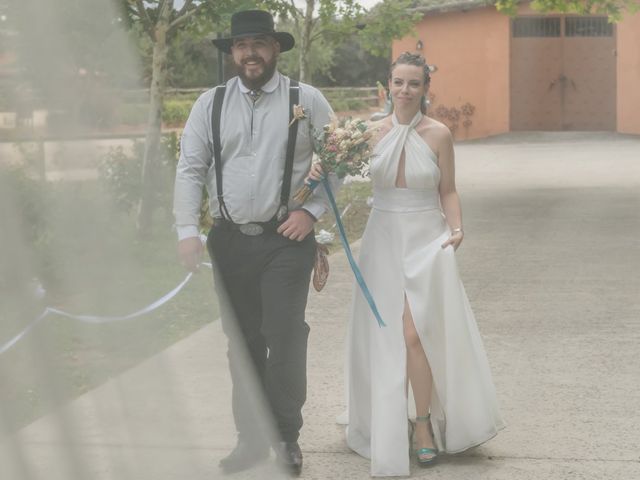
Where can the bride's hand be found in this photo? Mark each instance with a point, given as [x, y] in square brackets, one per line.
[455, 239]
[316, 173]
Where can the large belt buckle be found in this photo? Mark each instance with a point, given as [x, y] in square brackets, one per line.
[251, 229]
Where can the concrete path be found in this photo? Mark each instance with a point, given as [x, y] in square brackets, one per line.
[551, 263]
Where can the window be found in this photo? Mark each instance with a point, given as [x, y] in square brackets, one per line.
[588, 27]
[536, 27]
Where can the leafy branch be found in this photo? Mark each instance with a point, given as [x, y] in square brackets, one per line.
[614, 9]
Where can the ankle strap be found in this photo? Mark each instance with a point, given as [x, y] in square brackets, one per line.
[426, 418]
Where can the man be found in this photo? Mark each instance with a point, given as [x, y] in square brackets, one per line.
[262, 247]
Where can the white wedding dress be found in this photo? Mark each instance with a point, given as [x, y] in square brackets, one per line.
[401, 254]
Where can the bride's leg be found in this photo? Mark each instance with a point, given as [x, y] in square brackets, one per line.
[419, 374]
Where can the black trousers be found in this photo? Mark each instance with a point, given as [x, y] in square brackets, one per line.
[262, 282]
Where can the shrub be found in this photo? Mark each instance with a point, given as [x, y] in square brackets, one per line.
[121, 175]
[23, 212]
[345, 99]
[346, 104]
[176, 112]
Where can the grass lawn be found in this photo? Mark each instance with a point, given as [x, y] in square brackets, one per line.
[91, 262]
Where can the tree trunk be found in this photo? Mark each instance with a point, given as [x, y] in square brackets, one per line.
[154, 123]
[305, 42]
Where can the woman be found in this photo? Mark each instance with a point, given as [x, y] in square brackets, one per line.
[431, 340]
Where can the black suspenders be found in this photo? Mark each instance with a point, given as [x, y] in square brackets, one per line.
[217, 148]
[294, 99]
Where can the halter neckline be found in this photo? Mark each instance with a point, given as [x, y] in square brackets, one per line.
[414, 121]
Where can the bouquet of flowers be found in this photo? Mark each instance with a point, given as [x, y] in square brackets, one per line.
[342, 148]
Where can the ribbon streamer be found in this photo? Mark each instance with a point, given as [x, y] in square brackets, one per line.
[347, 250]
[97, 319]
[18, 337]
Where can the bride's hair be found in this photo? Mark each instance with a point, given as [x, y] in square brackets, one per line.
[415, 59]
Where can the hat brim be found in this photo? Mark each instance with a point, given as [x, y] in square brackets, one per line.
[285, 39]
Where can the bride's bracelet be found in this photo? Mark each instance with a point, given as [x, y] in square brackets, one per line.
[457, 230]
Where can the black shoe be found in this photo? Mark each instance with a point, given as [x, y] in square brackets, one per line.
[244, 456]
[289, 457]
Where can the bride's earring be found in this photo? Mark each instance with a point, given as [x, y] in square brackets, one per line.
[424, 104]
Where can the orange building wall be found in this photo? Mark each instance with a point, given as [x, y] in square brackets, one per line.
[471, 51]
[628, 74]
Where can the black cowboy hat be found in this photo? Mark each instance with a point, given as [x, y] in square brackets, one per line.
[250, 23]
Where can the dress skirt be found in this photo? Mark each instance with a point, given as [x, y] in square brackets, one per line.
[400, 255]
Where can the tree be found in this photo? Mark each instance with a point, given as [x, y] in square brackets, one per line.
[69, 55]
[614, 9]
[318, 60]
[192, 62]
[161, 20]
[332, 22]
[388, 20]
[355, 67]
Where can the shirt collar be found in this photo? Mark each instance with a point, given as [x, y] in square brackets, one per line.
[268, 87]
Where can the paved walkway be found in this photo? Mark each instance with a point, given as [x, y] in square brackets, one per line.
[551, 264]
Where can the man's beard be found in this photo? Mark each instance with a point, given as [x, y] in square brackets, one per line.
[257, 82]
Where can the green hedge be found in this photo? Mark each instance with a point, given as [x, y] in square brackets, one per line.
[343, 100]
[174, 113]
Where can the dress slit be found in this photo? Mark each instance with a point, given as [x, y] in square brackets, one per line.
[426, 354]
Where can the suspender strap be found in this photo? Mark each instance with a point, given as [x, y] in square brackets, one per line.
[294, 99]
[216, 114]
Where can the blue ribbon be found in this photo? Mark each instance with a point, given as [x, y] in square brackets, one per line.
[347, 250]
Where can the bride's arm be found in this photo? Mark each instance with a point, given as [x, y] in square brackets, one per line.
[449, 198]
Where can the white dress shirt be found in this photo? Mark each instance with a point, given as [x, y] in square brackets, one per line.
[253, 137]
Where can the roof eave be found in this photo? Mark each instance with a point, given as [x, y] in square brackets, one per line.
[461, 6]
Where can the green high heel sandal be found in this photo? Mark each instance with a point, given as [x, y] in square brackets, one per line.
[421, 453]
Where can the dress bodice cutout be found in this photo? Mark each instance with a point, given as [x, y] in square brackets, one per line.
[421, 164]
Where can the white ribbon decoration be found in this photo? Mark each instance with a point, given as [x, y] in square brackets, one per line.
[97, 319]
[18, 337]
[326, 236]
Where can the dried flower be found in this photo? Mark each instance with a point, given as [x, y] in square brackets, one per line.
[298, 114]
[342, 148]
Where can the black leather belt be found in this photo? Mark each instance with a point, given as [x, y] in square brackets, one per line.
[252, 228]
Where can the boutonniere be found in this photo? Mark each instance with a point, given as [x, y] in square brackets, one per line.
[298, 114]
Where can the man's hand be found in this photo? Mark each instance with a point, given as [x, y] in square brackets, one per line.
[190, 252]
[297, 226]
